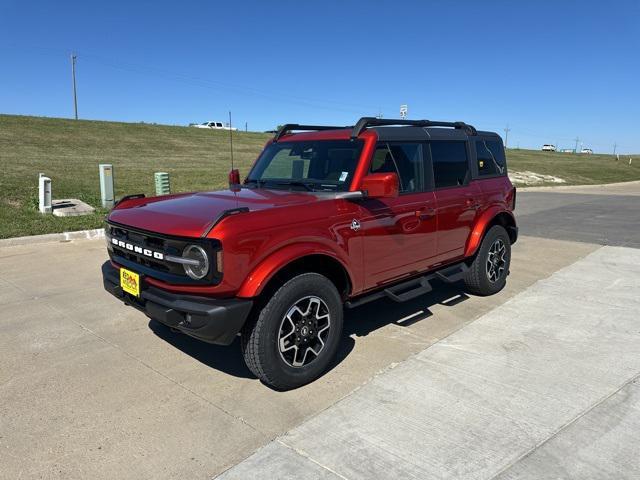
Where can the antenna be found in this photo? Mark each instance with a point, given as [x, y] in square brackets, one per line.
[234, 175]
[231, 138]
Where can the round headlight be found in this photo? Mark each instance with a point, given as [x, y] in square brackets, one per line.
[195, 252]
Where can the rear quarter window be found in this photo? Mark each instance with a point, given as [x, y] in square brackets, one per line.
[491, 158]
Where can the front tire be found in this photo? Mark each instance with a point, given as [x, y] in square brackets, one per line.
[296, 334]
[488, 272]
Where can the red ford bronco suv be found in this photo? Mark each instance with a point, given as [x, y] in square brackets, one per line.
[328, 217]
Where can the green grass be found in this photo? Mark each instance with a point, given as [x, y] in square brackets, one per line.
[576, 169]
[69, 152]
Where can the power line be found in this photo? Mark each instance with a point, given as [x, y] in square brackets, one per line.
[73, 76]
[280, 96]
[216, 85]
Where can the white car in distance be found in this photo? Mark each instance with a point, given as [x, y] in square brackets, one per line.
[548, 148]
[587, 151]
[213, 126]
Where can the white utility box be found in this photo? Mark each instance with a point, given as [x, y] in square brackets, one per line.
[44, 194]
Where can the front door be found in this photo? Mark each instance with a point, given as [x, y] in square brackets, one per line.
[399, 234]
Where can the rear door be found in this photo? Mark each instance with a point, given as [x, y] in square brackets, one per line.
[399, 234]
[457, 196]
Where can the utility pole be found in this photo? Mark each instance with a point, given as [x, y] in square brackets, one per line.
[506, 135]
[615, 145]
[73, 76]
[246, 126]
[575, 150]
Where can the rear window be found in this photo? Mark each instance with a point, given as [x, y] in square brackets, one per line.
[450, 163]
[491, 160]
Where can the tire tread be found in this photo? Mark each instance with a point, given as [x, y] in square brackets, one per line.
[475, 279]
[255, 330]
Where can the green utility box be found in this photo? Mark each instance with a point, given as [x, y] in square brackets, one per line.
[162, 183]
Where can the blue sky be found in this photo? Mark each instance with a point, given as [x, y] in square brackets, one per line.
[551, 70]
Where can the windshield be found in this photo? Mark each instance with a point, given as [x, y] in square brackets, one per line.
[319, 165]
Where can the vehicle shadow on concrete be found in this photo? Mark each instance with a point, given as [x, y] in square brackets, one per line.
[358, 322]
[227, 359]
[372, 316]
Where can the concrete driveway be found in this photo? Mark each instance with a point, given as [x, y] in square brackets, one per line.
[92, 389]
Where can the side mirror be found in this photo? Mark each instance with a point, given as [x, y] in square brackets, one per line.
[380, 185]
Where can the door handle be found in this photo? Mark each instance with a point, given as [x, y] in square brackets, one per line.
[425, 213]
[472, 203]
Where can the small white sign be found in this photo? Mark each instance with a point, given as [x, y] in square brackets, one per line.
[404, 109]
[343, 176]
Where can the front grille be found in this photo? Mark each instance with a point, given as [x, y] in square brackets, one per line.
[145, 247]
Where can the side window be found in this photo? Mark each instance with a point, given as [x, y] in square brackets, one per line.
[490, 158]
[404, 159]
[450, 163]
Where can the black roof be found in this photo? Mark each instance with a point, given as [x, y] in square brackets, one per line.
[399, 129]
[427, 133]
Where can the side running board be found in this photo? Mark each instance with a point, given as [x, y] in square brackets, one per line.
[413, 288]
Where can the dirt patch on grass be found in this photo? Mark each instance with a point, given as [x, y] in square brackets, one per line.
[12, 202]
[532, 178]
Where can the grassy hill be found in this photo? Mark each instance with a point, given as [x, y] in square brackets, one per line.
[575, 169]
[69, 152]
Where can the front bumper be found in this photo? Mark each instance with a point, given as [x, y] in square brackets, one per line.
[211, 320]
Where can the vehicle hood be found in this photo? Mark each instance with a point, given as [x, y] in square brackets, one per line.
[192, 214]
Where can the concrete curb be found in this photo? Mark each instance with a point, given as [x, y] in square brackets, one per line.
[96, 233]
[568, 188]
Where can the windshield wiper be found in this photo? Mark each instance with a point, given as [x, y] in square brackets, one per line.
[297, 183]
[258, 182]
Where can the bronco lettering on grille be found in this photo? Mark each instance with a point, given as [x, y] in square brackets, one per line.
[139, 250]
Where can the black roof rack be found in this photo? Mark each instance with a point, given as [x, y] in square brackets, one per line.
[365, 122]
[294, 126]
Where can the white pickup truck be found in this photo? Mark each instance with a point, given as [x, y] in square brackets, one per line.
[213, 125]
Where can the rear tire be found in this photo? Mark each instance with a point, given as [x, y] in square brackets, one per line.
[296, 334]
[488, 272]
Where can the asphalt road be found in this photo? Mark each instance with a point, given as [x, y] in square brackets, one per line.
[590, 218]
[92, 389]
